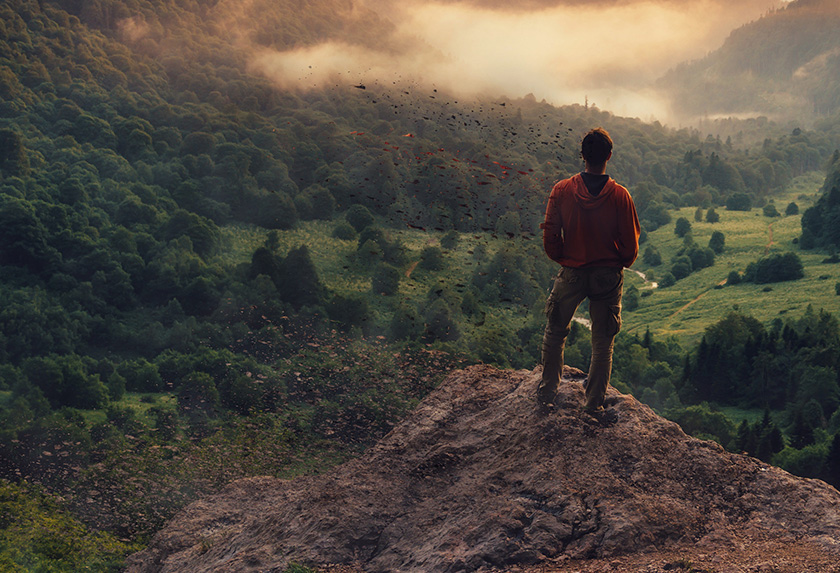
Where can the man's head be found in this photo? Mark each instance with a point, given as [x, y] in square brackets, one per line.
[596, 148]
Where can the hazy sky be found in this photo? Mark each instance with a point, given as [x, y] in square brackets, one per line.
[560, 50]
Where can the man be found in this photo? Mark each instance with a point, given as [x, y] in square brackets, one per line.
[592, 230]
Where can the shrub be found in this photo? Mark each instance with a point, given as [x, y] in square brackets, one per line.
[652, 257]
[682, 227]
[385, 280]
[431, 259]
[450, 240]
[792, 209]
[717, 242]
[775, 268]
[344, 231]
[770, 210]
[712, 216]
[359, 216]
[739, 202]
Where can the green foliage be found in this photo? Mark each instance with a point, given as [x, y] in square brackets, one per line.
[359, 217]
[700, 421]
[682, 227]
[739, 202]
[651, 256]
[385, 280]
[712, 215]
[775, 268]
[431, 259]
[344, 231]
[717, 242]
[134, 183]
[769, 210]
[37, 534]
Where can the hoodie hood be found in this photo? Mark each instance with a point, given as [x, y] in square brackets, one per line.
[586, 199]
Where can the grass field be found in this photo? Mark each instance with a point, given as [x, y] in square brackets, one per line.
[683, 310]
[686, 308]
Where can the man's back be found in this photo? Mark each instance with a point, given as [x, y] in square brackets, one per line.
[584, 230]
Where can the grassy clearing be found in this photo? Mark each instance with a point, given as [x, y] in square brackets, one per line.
[685, 309]
[140, 403]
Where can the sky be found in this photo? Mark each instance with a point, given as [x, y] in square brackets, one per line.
[606, 52]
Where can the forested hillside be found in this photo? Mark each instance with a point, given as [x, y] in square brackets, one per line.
[784, 65]
[205, 276]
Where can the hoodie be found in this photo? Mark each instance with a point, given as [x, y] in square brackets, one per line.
[584, 230]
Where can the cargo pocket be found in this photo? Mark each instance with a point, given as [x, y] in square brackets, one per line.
[615, 318]
[606, 319]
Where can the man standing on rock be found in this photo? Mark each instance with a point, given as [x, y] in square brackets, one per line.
[592, 230]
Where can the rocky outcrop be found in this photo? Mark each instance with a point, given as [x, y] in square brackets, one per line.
[478, 478]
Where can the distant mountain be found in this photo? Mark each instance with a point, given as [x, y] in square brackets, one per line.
[784, 65]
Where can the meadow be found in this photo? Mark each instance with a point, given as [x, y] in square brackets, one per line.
[682, 310]
[685, 309]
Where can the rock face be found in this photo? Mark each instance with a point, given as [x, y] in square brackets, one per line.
[477, 478]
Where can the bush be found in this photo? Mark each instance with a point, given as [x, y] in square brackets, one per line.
[431, 259]
[712, 216]
[359, 216]
[770, 210]
[652, 257]
[717, 242]
[733, 278]
[385, 280]
[792, 209]
[739, 202]
[682, 227]
[344, 231]
[775, 268]
[449, 240]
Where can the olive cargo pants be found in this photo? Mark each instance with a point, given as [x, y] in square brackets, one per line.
[603, 286]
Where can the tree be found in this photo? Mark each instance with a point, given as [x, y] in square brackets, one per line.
[13, 157]
[431, 259]
[359, 216]
[698, 214]
[682, 227]
[769, 210]
[385, 280]
[405, 323]
[439, 324]
[712, 216]
[717, 242]
[775, 268]
[299, 283]
[344, 231]
[450, 239]
[739, 202]
[652, 257]
[792, 209]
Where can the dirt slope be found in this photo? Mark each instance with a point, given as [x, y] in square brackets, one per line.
[476, 479]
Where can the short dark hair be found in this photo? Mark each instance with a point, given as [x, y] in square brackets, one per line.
[596, 146]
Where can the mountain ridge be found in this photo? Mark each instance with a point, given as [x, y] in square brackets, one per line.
[477, 479]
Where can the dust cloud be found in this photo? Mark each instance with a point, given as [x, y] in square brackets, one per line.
[606, 52]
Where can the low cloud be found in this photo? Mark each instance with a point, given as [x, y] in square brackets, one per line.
[608, 51]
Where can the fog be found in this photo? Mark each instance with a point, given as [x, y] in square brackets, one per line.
[608, 52]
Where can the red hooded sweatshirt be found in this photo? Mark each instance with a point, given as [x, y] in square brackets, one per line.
[585, 230]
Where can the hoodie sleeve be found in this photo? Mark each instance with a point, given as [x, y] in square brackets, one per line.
[552, 228]
[628, 230]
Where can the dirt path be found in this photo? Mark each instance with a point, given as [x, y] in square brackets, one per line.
[411, 269]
